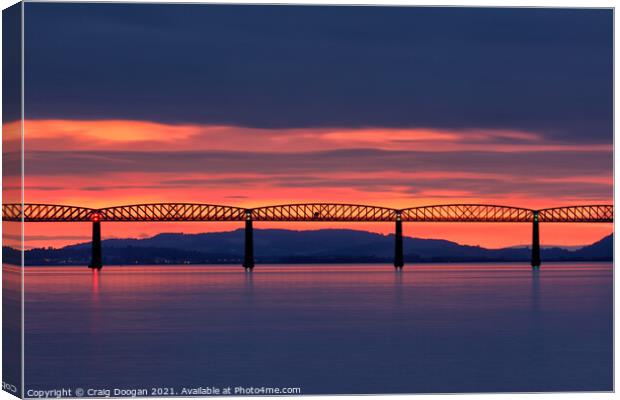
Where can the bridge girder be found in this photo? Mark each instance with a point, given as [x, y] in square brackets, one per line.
[172, 212]
[467, 213]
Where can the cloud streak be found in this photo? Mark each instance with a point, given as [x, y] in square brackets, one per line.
[93, 163]
[57, 135]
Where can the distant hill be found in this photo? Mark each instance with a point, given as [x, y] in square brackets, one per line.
[605, 246]
[287, 246]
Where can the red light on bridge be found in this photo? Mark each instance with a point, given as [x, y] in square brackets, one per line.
[95, 217]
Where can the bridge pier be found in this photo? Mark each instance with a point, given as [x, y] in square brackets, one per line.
[95, 258]
[535, 243]
[248, 256]
[399, 260]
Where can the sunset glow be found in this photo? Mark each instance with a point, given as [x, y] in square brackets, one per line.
[102, 163]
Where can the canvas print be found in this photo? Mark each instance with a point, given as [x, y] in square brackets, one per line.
[212, 199]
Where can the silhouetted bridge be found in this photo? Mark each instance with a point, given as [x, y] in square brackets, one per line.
[318, 212]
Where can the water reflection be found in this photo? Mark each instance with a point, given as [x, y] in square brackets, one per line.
[535, 296]
[96, 273]
[398, 286]
[249, 279]
[11, 327]
[328, 329]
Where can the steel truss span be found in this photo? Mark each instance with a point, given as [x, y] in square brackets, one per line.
[46, 213]
[171, 212]
[305, 213]
[594, 213]
[324, 212]
[467, 213]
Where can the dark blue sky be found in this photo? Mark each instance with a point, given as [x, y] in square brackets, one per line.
[544, 70]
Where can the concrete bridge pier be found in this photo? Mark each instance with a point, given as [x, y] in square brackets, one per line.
[248, 257]
[535, 243]
[95, 258]
[399, 260]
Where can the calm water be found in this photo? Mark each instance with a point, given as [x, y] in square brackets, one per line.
[325, 329]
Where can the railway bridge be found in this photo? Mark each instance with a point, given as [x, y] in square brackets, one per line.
[308, 212]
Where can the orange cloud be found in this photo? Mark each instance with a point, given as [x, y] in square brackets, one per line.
[144, 135]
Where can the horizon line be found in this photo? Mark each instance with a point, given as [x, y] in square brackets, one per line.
[387, 235]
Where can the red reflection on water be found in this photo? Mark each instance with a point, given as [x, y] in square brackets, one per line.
[96, 282]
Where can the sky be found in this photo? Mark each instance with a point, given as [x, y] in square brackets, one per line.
[259, 105]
